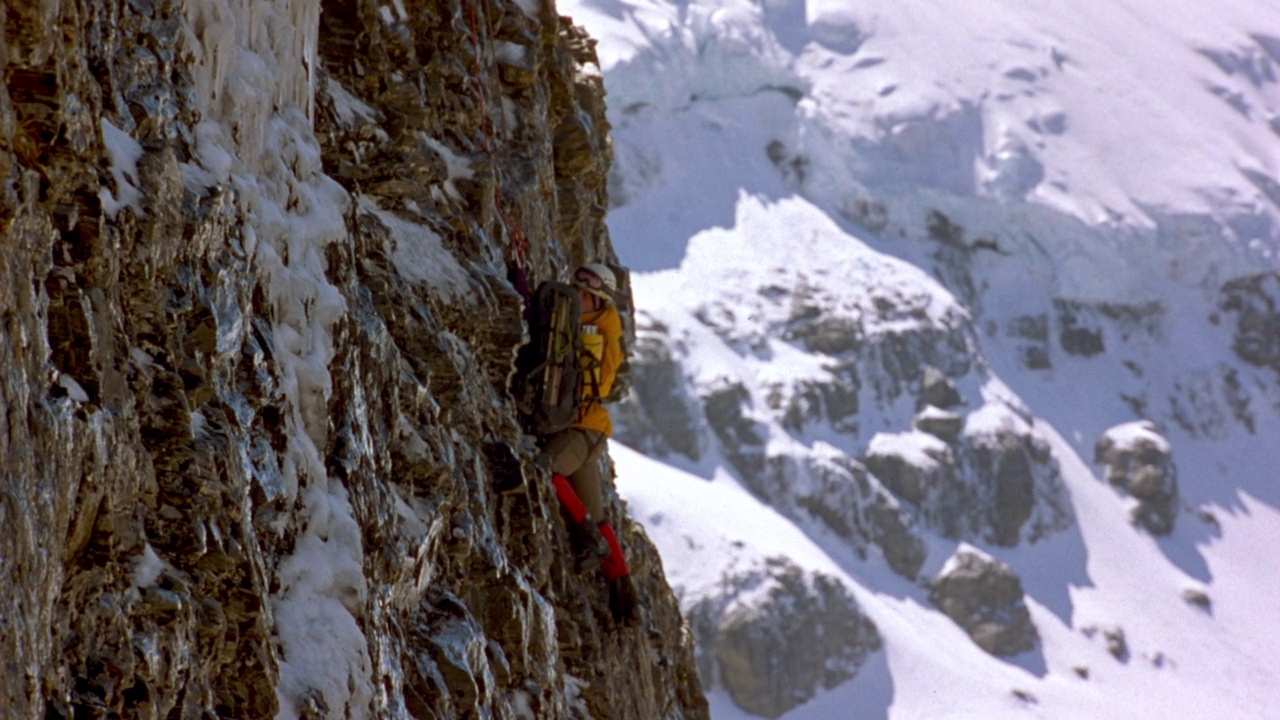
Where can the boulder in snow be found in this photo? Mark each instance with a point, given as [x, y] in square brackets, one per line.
[984, 597]
[780, 636]
[937, 390]
[1139, 461]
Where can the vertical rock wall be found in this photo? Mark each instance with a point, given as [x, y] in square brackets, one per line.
[255, 332]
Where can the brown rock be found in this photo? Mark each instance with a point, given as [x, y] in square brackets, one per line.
[271, 309]
[984, 596]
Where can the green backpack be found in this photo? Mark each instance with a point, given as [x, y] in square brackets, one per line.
[549, 379]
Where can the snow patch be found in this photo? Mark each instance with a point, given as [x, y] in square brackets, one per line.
[419, 253]
[457, 166]
[350, 109]
[1133, 436]
[75, 390]
[916, 448]
[254, 81]
[124, 152]
[147, 568]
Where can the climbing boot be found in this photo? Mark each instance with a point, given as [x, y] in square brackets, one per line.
[590, 549]
[622, 600]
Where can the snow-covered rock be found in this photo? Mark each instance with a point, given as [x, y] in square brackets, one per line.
[996, 482]
[779, 623]
[805, 374]
[1138, 460]
[777, 635]
[789, 366]
[985, 597]
[942, 424]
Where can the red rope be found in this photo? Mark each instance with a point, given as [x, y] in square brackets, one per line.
[519, 242]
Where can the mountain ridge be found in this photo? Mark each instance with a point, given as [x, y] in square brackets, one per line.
[1085, 184]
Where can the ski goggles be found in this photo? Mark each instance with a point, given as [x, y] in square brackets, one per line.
[585, 277]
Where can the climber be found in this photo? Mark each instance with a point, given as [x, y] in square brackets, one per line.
[572, 454]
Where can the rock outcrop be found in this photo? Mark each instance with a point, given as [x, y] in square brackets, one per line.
[780, 635]
[1255, 303]
[256, 323]
[659, 412]
[1139, 463]
[984, 597]
[969, 467]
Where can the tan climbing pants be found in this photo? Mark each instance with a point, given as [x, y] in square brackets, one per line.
[574, 453]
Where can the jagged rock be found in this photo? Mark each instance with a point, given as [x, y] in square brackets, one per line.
[1256, 302]
[659, 418]
[1035, 351]
[913, 466]
[725, 409]
[842, 495]
[997, 481]
[257, 331]
[840, 396]
[937, 390]
[1080, 334]
[1084, 327]
[802, 402]
[1016, 466]
[574, 149]
[984, 596]
[1139, 461]
[779, 635]
[827, 334]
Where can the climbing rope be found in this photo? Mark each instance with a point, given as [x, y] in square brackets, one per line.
[519, 242]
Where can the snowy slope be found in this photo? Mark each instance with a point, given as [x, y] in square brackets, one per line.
[1185, 663]
[1106, 114]
[1084, 194]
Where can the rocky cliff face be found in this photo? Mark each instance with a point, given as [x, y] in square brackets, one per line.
[255, 332]
[864, 412]
[887, 425]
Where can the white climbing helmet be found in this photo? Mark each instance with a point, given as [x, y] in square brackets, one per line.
[601, 272]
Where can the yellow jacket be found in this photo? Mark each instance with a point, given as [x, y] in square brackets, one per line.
[594, 416]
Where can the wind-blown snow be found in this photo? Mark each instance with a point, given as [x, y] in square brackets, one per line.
[1114, 155]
